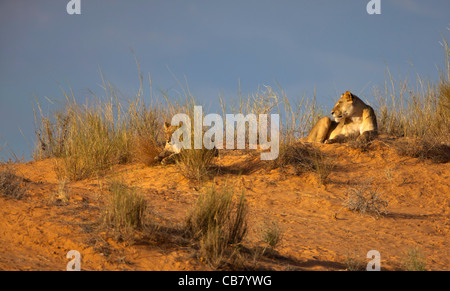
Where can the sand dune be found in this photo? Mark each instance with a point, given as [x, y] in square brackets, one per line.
[318, 232]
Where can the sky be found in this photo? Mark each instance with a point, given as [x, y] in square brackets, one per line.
[217, 47]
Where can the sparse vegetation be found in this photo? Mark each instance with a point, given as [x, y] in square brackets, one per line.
[435, 151]
[145, 150]
[297, 118]
[323, 167]
[298, 155]
[414, 260]
[421, 112]
[365, 200]
[124, 209]
[11, 185]
[271, 234]
[359, 144]
[217, 221]
[353, 263]
[305, 158]
[88, 140]
[196, 164]
[61, 195]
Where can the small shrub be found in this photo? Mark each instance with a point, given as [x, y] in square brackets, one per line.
[388, 173]
[361, 144]
[217, 221]
[213, 246]
[196, 164]
[305, 158]
[365, 200]
[298, 155]
[422, 149]
[125, 208]
[11, 185]
[271, 234]
[323, 166]
[353, 263]
[61, 195]
[414, 260]
[145, 150]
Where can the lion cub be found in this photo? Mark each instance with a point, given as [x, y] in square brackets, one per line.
[171, 152]
[352, 117]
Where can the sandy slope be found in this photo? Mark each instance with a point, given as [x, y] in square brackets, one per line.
[319, 234]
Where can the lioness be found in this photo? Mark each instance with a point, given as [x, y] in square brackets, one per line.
[171, 151]
[351, 117]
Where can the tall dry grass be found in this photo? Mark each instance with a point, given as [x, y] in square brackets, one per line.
[296, 117]
[88, 139]
[217, 221]
[124, 209]
[12, 185]
[303, 158]
[418, 111]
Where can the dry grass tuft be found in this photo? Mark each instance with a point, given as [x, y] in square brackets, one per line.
[305, 158]
[271, 234]
[365, 200]
[145, 150]
[434, 151]
[124, 210]
[414, 260]
[418, 112]
[298, 155]
[61, 196]
[89, 139]
[11, 185]
[196, 164]
[217, 221]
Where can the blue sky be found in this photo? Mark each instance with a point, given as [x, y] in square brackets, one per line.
[323, 45]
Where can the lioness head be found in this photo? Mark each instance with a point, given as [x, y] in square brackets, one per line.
[168, 131]
[344, 107]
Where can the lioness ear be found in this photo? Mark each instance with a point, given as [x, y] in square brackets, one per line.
[166, 125]
[348, 96]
